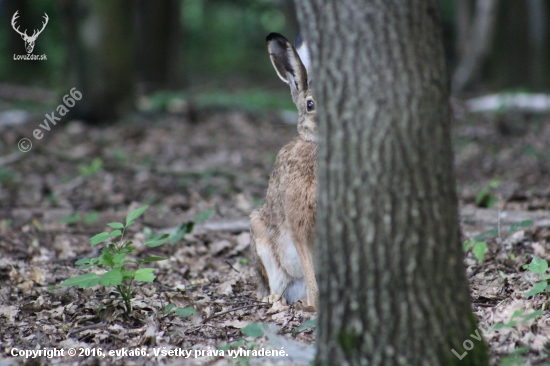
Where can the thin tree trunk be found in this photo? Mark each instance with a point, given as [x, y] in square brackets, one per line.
[99, 60]
[538, 28]
[463, 25]
[393, 289]
[478, 45]
[157, 35]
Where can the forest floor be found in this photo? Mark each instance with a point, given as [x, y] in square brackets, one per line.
[213, 169]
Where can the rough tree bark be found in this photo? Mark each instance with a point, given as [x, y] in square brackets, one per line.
[393, 289]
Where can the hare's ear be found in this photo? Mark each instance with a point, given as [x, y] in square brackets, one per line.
[286, 62]
[303, 51]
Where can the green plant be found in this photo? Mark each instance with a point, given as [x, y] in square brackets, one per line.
[188, 226]
[517, 225]
[518, 316]
[94, 167]
[76, 218]
[113, 258]
[486, 197]
[235, 349]
[478, 248]
[478, 244]
[515, 358]
[181, 312]
[7, 177]
[539, 267]
[4, 224]
[311, 323]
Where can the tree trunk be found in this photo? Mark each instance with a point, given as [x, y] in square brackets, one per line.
[100, 57]
[157, 36]
[393, 289]
[478, 46]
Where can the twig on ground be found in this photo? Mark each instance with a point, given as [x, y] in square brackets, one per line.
[234, 309]
[230, 265]
[93, 326]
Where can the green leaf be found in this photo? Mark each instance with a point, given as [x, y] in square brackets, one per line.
[82, 261]
[145, 275]
[526, 223]
[311, 323]
[116, 225]
[253, 330]
[151, 259]
[169, 308]
[185, 228]
[135, 214]
[106, 259]
[101, 237]
[71, 219]
[127, 275]
[91, 218]
[533, 315]
[537, 265]
[537, 289]
[514, 360]
[488, 234]
[232, 345]
[157, 240]
[115, 233]
[203, 216]
[111, 278]
[468, 244]
[520, 350]
[83, 281]
[185, 312]
[479, 250]
[516, 314]
[118, 259]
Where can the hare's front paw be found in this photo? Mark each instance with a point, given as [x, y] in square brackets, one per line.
[273, 298]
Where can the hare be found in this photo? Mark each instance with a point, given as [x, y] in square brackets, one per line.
[282, 230]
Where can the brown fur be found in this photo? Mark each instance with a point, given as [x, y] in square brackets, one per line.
[286, 221]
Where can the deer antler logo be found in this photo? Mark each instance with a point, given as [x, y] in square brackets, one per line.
[29, 40]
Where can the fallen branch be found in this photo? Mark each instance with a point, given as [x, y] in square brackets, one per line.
[11, 158]
[521, 102]
[489, 218]
[235, 226]
[482, 218]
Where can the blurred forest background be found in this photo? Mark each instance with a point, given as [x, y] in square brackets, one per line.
[212, 52]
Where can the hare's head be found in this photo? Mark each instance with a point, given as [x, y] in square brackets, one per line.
[293, 67]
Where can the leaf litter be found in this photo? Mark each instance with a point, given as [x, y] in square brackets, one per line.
[204, 296]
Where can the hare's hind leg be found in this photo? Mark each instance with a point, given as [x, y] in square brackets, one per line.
[273, 277]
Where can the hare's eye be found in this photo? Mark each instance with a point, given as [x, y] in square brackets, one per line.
[310, 105]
